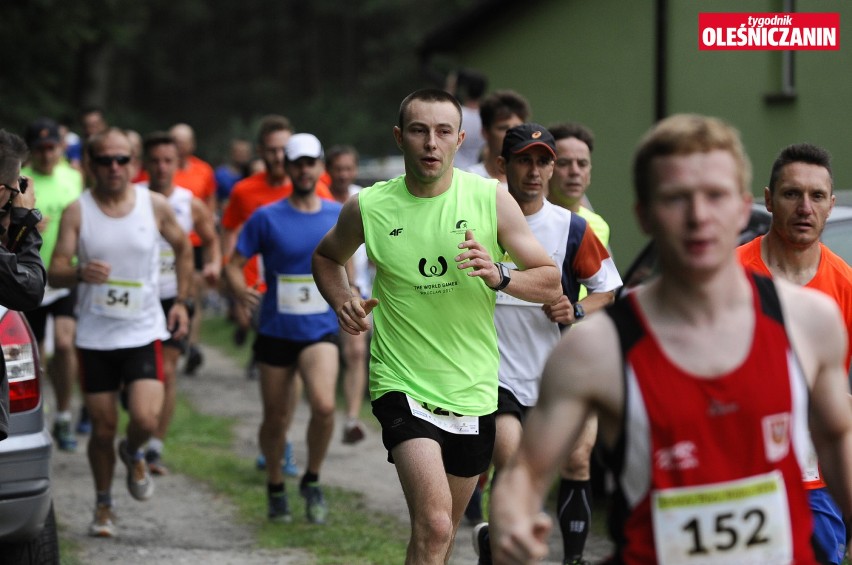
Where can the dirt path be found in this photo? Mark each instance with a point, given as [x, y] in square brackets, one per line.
[185, 523]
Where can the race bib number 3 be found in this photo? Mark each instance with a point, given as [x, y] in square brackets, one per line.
[117, 299]
[449, 422]
[298, 294]
[745, 521]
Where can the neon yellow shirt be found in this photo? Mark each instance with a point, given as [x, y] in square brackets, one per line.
[600, 229]
[53, 194]
[434, 336]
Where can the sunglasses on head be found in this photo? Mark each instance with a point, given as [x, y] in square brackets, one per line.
[23, 183]
[108, 160]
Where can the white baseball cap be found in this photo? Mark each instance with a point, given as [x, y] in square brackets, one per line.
[303, 145]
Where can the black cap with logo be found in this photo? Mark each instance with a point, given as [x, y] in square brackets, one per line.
[520, 138]
[42, 131]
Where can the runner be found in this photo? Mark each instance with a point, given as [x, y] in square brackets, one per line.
[706, 448]
[114, 230]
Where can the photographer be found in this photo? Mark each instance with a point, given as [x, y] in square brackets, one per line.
[22, 274]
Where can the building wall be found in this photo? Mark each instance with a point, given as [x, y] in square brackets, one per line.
[593, 62]
[590, 62]
[733, 85]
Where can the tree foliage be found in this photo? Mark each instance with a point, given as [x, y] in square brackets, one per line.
[335, 68]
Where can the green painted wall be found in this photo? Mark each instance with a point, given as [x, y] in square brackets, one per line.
[733, 84]
[583, 61]
[593, 62]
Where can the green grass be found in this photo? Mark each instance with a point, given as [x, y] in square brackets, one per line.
[200, 447]
[69, 550]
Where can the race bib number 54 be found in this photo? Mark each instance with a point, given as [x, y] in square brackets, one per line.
[118, 299]
[745, 521]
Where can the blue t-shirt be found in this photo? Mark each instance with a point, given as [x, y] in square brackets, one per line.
[292, 307]
[226, 178]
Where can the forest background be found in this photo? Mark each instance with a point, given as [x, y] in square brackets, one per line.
[336, 68]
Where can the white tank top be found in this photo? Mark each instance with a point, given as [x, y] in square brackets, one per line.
[125, 311]
[181, 202]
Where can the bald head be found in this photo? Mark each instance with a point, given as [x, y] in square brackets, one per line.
[184, 138]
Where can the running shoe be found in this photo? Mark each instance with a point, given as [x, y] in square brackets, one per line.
[316, 510]
[194, 359]
[353, 432]
[482, 543]
[84, 424]
[288, 466]
[103, 524]
[64, 437]
[139, 481]
[279, 508]
[155, 463]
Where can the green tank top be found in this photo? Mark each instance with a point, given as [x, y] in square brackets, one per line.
[53, 194]
[434, 336]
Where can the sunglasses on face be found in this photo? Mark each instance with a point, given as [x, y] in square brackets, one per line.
[23, 182]
[108, 160]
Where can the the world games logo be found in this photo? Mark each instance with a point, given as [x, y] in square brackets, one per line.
[433, 270]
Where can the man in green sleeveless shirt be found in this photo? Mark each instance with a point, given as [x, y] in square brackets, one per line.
[433, 234]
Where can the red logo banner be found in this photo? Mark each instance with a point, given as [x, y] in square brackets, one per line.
[728, 31]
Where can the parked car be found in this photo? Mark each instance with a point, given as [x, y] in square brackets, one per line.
[27, 522]
[837, 236]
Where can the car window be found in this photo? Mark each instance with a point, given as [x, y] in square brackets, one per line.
[838, 237]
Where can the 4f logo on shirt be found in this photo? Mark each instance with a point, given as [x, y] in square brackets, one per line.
[433, 270]
[395, 232]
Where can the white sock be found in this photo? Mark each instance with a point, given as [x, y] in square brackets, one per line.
[155, 444]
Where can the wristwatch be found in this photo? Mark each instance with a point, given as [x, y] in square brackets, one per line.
[188, 303]
[579, 312]
[506, 277]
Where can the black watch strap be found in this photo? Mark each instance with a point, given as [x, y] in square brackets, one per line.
[505, 277]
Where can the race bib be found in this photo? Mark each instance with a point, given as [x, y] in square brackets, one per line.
[298, 294]
[117, 299]
[509, 300]
[167, 266]
[746, 521]
[447, 421]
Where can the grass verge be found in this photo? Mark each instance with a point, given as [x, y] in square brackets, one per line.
[200, 447]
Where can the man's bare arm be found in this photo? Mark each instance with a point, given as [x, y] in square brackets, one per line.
[562, 311]
[538, 279]
[205, 227]
[818, 335]
[62, 273]
[330, 274]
